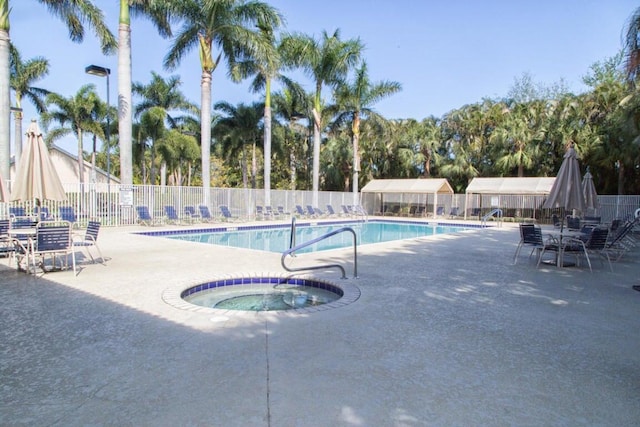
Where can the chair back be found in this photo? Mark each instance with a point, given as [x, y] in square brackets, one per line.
[330, 210]
[573, 223]
[204, 212]
[555, 221]
[67, 214]
[440, 210]
[300, 210]
[225, 211]
[93, 228]
[5, 224]
[598, 239]
[190, 210]
[171, 213]
[527, 234]
[143, 213]
[53, 238]
[310, 210]
[281, 210]
[17, 211]
[23, 222]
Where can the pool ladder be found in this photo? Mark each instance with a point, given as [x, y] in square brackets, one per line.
[497, 213]
[293, 248]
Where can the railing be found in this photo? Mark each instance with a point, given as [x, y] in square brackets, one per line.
[497, 213]
[293, 248]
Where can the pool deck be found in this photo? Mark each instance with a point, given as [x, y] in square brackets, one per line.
[446, 332]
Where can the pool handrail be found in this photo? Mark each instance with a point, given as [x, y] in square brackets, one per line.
[498, 214]
[293, 247]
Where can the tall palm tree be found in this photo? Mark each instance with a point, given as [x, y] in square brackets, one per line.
[265, 65]
[23, 74]
[227, 24]
[354, 102]
[158, 12]
[326, 61]
[74, 115]
[75, 14]
[164, 94]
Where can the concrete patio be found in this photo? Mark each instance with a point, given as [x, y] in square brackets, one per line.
[446, 332]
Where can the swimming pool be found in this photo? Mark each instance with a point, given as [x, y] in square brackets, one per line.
[276, 238]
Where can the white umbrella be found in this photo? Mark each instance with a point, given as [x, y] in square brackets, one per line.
[36, 177]
[589, 191]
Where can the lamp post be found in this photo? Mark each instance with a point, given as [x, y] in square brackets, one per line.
[96, 70]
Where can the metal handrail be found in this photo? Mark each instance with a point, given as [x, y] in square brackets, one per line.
[295, 247]
[360, 211]
[497, 213]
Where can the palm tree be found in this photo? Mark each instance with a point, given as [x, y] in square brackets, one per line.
[265, 64]
[632, 46]
[75, 14]
[237, 128]
[23, 74]
[178, 152]
[326, 61]
[74, 115]
[229, 25]
[157, 11]
[354, 102]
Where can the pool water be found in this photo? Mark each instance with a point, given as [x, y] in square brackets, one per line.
[277, 239]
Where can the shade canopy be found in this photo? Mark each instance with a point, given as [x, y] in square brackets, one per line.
[499, 185]
[567, 190]
[408, 186]
[36, 177]
[589, 191]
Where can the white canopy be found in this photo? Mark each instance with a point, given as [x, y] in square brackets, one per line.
[427, 185]
[540, 186]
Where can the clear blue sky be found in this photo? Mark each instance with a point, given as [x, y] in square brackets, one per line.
[445, 54]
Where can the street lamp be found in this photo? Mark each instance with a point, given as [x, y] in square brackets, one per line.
[96, 70]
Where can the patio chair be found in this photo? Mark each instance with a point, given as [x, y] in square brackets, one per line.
[454, 212]
[440, 211]
[205, 214]
[15, 211]
[90, 239]
[282, 212]
[476, 212]
[43, 213]
[555, 220]
[528, 237]
[573, 223]
[260, 212]
[51, 239]
[269, 212]
[68, 214]
[596, 243]
[6, 246]
[144, 217]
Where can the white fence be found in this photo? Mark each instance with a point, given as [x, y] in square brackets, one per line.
[115, 204]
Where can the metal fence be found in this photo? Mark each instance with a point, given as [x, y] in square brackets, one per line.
[114, 205]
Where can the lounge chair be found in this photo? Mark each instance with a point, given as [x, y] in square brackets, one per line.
[90, 239]
[172, 215]
[330, 211]
[260, 212]
[144, 217]
[440, 211]
[300, 212]
[453, 213]
[269, 212]
[311, 212]
[205, 213]
[282, 212]
[419, 211]
[476, 212]
[190, 214]
[226, 213]
[596, 243]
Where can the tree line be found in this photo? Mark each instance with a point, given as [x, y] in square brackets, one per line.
[328, 139]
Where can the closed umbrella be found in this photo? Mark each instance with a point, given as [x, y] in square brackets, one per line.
[589, 191]
[566, 192]
[36, 177]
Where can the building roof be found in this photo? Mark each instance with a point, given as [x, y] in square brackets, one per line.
[426, 185]
[529, 185]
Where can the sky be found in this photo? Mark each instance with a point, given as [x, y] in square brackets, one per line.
[445, 54]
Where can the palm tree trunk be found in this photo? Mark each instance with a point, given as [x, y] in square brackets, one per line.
[124, 95]
[17, 137]
[621, 171]
[5, 92]
[254, 165]
[356, 156]
[80, 159]
[205, 130]
[267, 155]
[316, 156]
